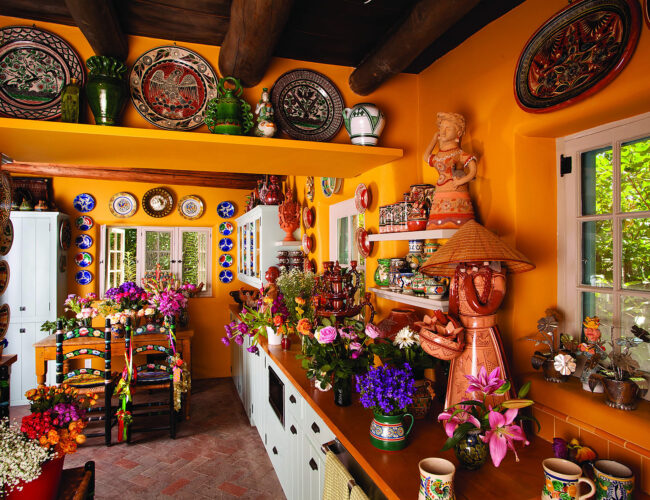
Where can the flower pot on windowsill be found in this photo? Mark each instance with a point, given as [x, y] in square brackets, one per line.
[621, 394]
[547, 365]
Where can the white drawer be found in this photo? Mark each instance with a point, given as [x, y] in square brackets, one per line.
[314, 427]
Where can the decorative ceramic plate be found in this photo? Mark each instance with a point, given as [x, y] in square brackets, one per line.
[84, 222]
[226, 276]
[158, 202]
[307, 217]
[226, 228]
[84, 202]
[83, 277]
[34, 66]
[123, 205]
[363, 244]
[83, 241]
[309, 188]
[65, 234]
[576, 53]
[225, 260]
[226, 210]
[83, 259]
[5, 197]
[170, 87]
[5, 317]
[5, 272]
[225, 244]
[308, 106]
[328, 185]
[308, 266]
[361, 198]
[190, 207]
[6, 237]
[307, 243]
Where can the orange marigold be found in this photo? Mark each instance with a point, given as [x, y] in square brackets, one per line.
[300, 301]
[52, 436]
[304, 326]
[277, 320]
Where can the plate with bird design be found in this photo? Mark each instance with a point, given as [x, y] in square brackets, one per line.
[170, 87]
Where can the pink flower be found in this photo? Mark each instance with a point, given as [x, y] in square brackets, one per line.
[355, 346]
[326, 335]
[372, 331]
[502, 434]
[451, 422]
[485, 383]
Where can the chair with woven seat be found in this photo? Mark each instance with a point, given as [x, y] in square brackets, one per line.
[88, 380]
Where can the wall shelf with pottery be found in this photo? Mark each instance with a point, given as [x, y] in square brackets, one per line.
[431, 234]
[412, 300]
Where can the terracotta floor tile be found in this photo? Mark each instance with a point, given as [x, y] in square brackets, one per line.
[233, 489]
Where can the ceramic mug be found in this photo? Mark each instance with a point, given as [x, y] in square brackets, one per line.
[562, 476]
[436, 479]
[614, 481]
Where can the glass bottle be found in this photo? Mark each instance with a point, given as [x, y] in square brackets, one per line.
[70, 101]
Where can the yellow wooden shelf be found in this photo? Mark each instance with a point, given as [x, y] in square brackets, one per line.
[81, 144]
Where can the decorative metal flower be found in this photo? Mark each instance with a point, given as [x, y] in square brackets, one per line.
[564, 363]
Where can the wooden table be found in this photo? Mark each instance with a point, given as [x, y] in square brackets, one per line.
[6, 360]
[45, 350]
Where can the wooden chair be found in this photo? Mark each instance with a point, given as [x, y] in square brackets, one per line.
[88, 380]
[155, 376]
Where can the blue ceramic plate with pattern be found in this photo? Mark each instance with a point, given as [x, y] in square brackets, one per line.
[225, 244]
[84, 222]
[83, 241]
[84, 202]
[225, 260]
[226, 276]
[226, 228]
[83, 277]
[226, 210]
[83, 259]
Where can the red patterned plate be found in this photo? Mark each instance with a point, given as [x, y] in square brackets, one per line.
[308, 266]
[361, 198]
[307, 243]
[364, 245]
[307, 217]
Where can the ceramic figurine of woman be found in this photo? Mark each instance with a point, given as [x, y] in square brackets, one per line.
[451, 206]
[264, 111]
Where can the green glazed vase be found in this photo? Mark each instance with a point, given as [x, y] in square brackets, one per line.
[471, 451]
[228, 113]
[388, 433]
[382, 272]
[106, 90]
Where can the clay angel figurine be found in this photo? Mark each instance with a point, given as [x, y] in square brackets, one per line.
[451, 206]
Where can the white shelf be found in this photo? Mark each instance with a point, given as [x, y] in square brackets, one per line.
[432, 234]
[291, 244]
[412, 300]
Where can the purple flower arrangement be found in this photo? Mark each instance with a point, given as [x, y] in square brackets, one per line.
[127, 296]
[386, 389]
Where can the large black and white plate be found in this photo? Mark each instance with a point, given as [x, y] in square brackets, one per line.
[308, 106]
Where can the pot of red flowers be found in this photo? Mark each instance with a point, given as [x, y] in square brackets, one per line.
[388, 390]
[476, 429]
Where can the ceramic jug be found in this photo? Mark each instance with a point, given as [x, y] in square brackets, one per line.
[561, 477]
[614, 481]
[388, 432]
[106, 90]
[228, 113]
[364, 123]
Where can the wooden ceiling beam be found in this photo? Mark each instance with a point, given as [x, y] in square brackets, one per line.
[254, 30]
[98, 21]
[427, 21]
[230, 180]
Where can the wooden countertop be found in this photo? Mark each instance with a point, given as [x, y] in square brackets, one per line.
[8, 359]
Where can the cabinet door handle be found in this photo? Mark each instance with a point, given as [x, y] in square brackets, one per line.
[315, 428]
[313, 464]
[292, 399]
[275, 450]
[22, 330]
[293, 430]
[22, 308]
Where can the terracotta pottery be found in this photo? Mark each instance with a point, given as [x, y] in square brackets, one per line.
[289, 214]
[422, 399]
[388, 433]
[272, 274]
[396, 320]
[621, 394]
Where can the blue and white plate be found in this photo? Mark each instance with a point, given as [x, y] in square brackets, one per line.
[225, 244]
[226, 210]
[226, 228]
[225, 260]
[84, 277]
[84, 202]
[84, 241]
[226, 276]
[84, 222]
[83, 259]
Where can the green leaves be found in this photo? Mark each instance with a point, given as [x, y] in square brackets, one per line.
[517, 403]
[524, 390]
[504, 388]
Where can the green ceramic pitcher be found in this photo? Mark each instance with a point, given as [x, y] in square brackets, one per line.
[228, 113]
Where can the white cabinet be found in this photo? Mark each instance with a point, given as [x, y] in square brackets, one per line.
[35, 293]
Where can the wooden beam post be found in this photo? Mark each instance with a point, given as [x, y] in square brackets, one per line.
[254, 30]
[98, 21]
[428, 20]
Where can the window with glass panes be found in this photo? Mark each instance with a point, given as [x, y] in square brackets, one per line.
[131, 253]
[604, 230]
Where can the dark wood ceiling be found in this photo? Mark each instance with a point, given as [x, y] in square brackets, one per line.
[342, 32]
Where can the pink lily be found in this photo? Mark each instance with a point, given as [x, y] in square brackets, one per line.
[453, 421]
[485, 383]
[502, 434]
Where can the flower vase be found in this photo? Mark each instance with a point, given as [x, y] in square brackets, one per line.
[471, 451]
[273, 337]
[422, 399]
[285, 343]
[106, 89]
[551, 374]
[44, 487]
[343, 391]
[387, 432]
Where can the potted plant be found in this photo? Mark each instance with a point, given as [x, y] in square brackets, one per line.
[621, 377]
[388, 390]
[83, 312]
[592, 351]
[472, 426]
[557, 363]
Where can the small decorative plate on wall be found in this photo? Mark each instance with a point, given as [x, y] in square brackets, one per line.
[226, 228]
[83, 241]
[226, 276]
[34, 66]
[576, 53]
[309, 188]
[83, 259]
[65, 234]
[84, 223]
[158, 202]
[226, 209]
[225, 244]
[308, 106]
[84, 202]
[6, 237]
[170, 87]
[5, 272]
[361, 198]
[225, 260]
[123, 205]
[83, 277]
[190, 207]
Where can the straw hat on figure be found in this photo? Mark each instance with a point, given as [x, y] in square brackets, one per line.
[451, 206]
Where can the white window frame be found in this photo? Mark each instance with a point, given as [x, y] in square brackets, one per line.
[569, 219]
[176, 252]
[338, 211]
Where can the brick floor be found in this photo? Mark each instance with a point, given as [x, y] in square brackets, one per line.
[216, 455]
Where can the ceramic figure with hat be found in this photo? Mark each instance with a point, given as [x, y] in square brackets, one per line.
[451, 206]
